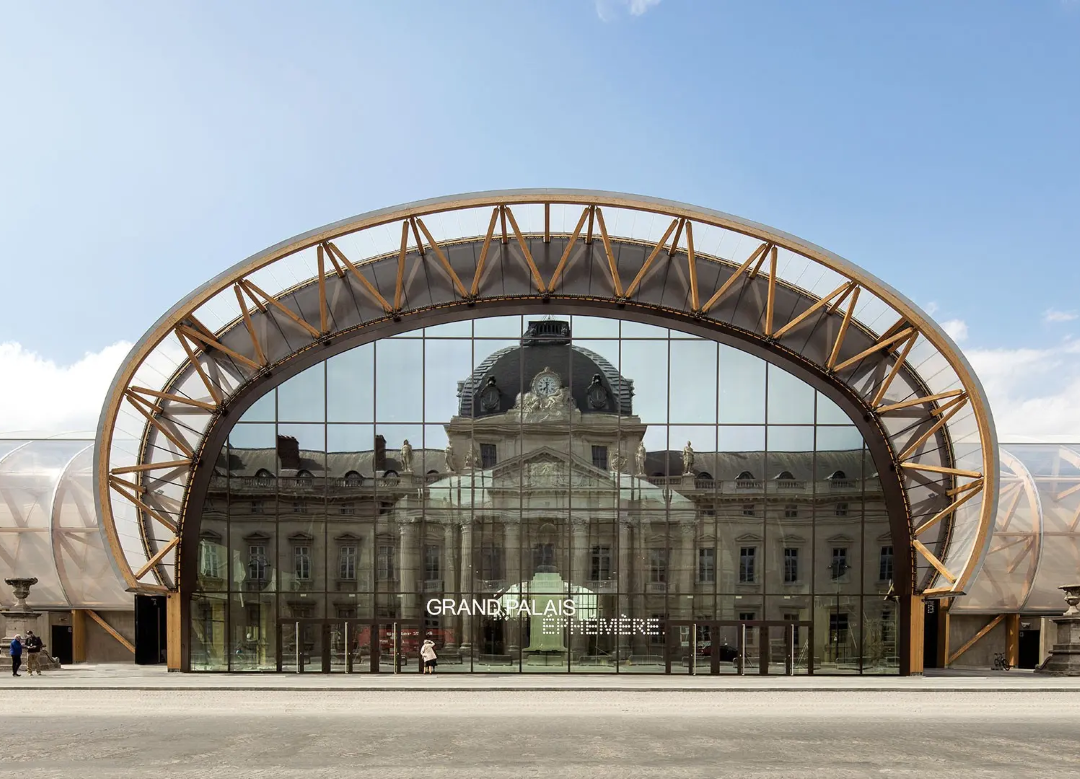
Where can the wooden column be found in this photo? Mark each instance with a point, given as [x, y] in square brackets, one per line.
[1012, 639]
[911, 623]
[78, 636]
[175, 634]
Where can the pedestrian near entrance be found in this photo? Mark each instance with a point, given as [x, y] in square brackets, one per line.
[427, 653]
[33, 653]
[16, 654]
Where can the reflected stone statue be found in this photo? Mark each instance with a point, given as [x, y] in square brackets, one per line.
[688, 459]
[471, 460]
[639, 459]
[405, 455]
[448, 453]
[618, 462]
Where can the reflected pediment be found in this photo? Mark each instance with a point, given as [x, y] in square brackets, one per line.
[547, 468]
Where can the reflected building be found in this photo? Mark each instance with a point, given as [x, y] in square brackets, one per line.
[548, 464]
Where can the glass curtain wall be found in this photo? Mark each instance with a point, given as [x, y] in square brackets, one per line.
[573, 494]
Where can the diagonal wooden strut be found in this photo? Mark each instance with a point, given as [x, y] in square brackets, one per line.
[484, 252]
[649, 260]
[757, 256]
[249, 325]
[537, 278]
[897, 365]
[367, 286]
[691, 265]
[442, 258]
[157, 557]
[949, 510]
[888, 342]
[847, 285]
[930, 558]
[253, 290]
[844, 325]
[615, 281]
[568, 250]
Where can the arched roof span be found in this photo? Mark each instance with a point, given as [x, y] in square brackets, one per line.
[891, 366]
[49, 528]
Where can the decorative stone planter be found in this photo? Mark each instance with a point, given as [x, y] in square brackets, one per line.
[1064, 658]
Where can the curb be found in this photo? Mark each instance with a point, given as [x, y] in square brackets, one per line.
[717, 690]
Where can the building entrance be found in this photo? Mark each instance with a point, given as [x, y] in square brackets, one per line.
[739, 647]
[348, 646]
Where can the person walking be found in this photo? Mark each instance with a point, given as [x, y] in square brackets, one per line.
[427, 653]
[16, 654]
[33, 653]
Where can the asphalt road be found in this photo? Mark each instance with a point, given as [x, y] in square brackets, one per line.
[437, 734]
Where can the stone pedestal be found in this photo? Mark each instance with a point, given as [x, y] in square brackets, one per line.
[20, 619]
[1064, 658]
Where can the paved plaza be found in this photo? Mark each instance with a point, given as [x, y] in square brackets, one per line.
[190, 732]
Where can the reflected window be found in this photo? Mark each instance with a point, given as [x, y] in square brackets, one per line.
[432, 561]
[747, 565]
[748, 510]
[347, 509]
[791, 565]
[302, 562]
[257, 562]
[386, 570]
[489, 455]
[299, 507]
[839, 564]
[209, 559]
[745, 476]
[706, 565]
[887, 636]
[747, 616]
[264, 478]
[658, 563]
[347, 562]
[353, 479]
[600, 457]
[784, 475]
[791, 511]
[256, 507]
[841, 509]
[885, 564]
[600, 568]
[543, 558]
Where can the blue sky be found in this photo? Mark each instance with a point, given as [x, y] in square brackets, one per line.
[149, 146]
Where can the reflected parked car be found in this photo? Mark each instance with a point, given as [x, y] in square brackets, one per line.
[726, 652]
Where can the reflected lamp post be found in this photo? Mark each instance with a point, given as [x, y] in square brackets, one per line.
[837, 568]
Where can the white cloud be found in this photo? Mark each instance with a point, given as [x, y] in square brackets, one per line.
[38, 397]
[957, 329]
[1053, 315]
[1033, 392]
[608, 10]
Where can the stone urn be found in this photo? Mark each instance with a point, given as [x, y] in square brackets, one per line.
[21, 589]
[19, 618]
[1064, 659]
[1072, 597]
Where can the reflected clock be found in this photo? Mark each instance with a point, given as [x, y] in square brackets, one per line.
[546, 383]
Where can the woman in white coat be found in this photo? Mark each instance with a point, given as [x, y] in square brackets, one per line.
[427, 654]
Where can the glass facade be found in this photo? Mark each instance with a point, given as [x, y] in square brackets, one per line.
[576, 494]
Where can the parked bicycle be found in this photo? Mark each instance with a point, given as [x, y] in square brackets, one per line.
[1000, 663]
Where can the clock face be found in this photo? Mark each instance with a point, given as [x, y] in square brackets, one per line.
[546, 385]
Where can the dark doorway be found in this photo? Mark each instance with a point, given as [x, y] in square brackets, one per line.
[150, 629]
[1029, 647]
[60, 645]
[931, 634]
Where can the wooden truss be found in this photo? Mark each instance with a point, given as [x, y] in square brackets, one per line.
[172, 441]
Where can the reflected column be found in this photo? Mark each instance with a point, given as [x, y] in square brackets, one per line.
[451, 584]
[408, 556]
[687, 535]
[466, 582]
[512, 558]
[579, 569]
[625, 583]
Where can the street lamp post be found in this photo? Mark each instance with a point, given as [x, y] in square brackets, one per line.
[837, 567]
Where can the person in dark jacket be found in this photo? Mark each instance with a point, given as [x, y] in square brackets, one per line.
[16, 654]
[33, 647]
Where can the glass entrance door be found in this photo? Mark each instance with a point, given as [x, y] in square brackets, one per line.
[348, 646]
[730, 647]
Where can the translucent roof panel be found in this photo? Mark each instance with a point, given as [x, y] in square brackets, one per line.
[49, 528]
